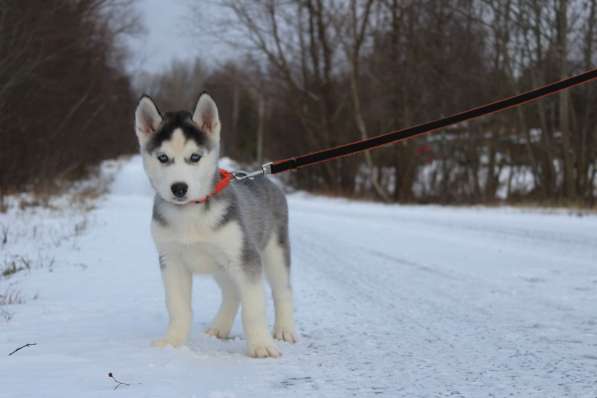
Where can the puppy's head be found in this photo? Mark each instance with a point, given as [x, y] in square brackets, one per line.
[180, 150]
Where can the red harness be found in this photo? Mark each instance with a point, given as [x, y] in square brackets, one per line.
[225, 179]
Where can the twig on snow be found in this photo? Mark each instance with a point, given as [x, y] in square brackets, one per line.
[21, 347]
[118, 383]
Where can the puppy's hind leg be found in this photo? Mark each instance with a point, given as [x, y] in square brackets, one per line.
[248, 279]
[178, 282]
[221, 325]
[276, 259]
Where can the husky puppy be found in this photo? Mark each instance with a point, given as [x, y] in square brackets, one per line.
[236, 235]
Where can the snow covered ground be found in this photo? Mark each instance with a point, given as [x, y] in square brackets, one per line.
[397, 301]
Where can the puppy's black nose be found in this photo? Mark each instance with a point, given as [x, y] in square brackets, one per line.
[179, 189]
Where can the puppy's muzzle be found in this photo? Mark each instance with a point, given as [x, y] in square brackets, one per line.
[179, 189]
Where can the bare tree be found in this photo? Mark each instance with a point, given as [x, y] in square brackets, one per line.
[326, 72]
[64, 96]
[352, 21]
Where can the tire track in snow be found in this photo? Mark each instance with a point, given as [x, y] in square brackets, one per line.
[395, 340]
[511, 355]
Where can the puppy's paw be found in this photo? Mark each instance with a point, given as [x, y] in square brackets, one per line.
[285, 334]
[264, 348]
[168, 341]
[217, 332]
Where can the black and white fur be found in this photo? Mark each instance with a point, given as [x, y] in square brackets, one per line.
[236, 236]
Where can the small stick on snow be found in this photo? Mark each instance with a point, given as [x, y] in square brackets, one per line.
[118, 383]
[21, 347]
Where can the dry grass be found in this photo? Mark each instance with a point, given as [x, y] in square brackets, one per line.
[16, 264]
[81, 193]
[38, 221]
[10, 297]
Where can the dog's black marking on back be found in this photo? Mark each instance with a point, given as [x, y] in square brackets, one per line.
[182, 120]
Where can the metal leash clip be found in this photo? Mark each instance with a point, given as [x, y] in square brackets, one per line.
[240, 175]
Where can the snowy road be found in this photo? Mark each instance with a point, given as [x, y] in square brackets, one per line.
[390, 301]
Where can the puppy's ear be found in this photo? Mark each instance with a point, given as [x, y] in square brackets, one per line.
[147, 119]
[206, 115]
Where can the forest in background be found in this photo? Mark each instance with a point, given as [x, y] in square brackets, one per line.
[311, 74]
[65, 99]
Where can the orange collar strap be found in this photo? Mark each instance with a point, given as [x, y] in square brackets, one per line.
[225, 180]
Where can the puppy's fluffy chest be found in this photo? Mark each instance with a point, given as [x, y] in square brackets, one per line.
[194, 235]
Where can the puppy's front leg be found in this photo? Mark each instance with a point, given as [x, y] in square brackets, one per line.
[178, 282]
[221, 325]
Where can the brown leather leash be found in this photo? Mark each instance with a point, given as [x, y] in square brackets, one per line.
[392, 137]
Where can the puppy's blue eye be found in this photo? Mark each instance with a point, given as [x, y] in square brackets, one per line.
[163, 158]
[195, 158]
